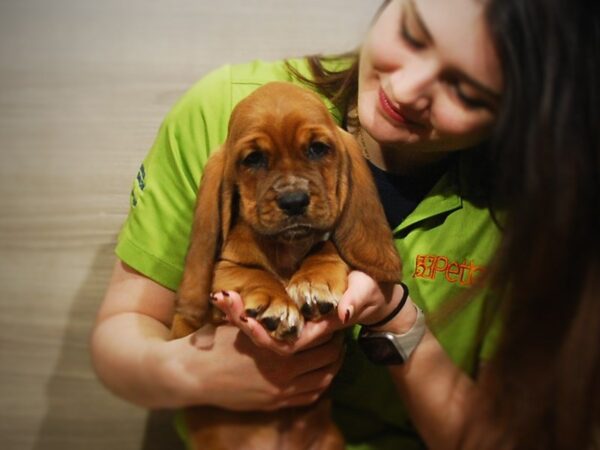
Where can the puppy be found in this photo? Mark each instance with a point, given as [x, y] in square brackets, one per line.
[285, 209]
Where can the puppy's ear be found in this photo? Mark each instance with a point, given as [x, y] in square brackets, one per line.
[362, 235]
[212, 219]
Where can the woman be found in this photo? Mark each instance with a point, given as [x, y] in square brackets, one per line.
[462, 107]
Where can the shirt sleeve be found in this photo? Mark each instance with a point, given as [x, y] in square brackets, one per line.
[155, 236]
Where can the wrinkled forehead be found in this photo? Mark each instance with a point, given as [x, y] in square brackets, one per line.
[279, 108]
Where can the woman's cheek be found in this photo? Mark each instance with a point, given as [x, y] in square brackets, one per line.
[472, 125]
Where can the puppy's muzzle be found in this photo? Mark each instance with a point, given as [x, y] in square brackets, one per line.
[293, 203]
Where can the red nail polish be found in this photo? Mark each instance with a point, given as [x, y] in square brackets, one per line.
[243, 318]
[347, 316]
[225, 293]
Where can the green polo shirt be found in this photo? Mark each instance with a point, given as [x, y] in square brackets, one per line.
[446, 243]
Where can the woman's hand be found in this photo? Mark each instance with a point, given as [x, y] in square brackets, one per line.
[365, 301]
[222, 367]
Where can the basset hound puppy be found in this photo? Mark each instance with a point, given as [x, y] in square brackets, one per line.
[286, 208]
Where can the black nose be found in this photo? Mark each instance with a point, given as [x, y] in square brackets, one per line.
[293, 203]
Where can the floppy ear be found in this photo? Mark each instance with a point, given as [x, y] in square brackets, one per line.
[362, 234]
[212, 219]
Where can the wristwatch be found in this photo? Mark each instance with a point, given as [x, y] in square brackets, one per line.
[386, 348]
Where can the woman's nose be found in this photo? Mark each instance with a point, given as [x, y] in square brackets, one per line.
[412, 85]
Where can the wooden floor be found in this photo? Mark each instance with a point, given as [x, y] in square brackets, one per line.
[84, 85]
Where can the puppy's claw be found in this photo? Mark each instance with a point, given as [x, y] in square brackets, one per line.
[307, 310]
[324, 307]
[279, 315]
[270, 323]
[253, 312]
[283, 321]
[313, 299]
[291, 334]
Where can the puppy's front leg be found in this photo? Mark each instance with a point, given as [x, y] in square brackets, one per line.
[264, 297]
[192, 308]
[320, 282]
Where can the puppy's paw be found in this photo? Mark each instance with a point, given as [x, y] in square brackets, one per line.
[315, 297]
[276, 312]
[189, 317]
[181, 327]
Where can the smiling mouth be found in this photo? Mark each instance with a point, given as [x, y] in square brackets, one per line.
[393, 113]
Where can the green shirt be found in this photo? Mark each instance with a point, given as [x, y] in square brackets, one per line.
[445, 244]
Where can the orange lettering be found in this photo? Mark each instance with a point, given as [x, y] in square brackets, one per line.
[429, 266]
[420, 267]
[437, 267]
[453, 269]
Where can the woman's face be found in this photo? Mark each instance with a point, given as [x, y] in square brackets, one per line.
[429, 75]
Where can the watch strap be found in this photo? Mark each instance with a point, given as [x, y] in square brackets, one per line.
[404, 344]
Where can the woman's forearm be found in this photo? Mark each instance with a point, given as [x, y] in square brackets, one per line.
[125, 350]
[437, 393]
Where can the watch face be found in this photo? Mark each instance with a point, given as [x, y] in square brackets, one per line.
[380, 350]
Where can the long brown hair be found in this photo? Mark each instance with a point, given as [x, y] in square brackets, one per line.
[544, 385]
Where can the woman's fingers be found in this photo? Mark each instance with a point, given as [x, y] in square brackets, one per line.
[308, 387]
[361, 289]
[318, 357]
[364, 299]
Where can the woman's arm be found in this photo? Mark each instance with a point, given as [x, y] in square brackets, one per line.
[134, 357]
[437, 393]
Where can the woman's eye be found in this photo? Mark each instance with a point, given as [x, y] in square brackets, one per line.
[317, 150]
[256, 160]
[467, 100]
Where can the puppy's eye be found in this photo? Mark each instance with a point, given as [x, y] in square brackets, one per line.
[317, 150]
[256, 160]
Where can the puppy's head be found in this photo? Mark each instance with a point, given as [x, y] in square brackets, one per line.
[285, 154]
[288, 171]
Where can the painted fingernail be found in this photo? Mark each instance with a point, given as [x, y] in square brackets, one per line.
[225, 293]
[349, 313]
[243, 318]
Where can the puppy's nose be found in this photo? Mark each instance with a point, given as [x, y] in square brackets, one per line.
[293, 203]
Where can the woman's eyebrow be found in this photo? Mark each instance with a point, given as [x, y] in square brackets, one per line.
[419, 22]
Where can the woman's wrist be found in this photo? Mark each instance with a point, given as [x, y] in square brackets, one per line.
[403, 321]
[405, 318]
[396, 309]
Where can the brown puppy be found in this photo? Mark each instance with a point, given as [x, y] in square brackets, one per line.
[285, 208]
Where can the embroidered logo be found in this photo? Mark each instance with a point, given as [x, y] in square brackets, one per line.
[433, 266]
[141, 184]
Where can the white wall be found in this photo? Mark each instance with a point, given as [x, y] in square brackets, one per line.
[84, 86]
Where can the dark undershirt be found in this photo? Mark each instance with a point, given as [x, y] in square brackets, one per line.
[400, 194]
